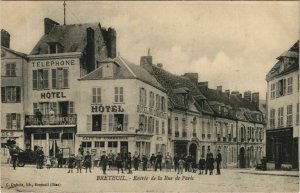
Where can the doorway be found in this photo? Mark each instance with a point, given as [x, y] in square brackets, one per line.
[278, 155]
[193, 151]
[242, 157]
[124, 148]
[63, 108]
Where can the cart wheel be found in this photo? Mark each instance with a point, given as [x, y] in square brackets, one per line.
[21, 163]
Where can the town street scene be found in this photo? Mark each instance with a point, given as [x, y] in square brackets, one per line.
[149, 96]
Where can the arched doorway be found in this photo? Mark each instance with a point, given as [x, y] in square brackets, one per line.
[242, 157]
[193, 151]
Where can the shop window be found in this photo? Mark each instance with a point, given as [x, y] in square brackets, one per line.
[96, 98]
[290, 85]
[39, 136]
[40, 79]
[13, 121]
[289, 115]
[99, 144]
[11, 94]
[54, 136]
[119, 95]
[68, 136]
[60, 78]
[280, 117]
[112, 144]
[10, 69]
[86, 144]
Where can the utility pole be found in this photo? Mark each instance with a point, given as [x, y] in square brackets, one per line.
[64, 12]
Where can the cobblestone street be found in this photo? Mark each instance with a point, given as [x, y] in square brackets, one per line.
[29, 179]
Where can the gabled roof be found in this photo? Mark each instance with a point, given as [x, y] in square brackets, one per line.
[71, 37]
[15, 52]
[124, 70]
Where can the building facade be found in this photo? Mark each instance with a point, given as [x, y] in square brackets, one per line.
[13, 90]
[283, 111]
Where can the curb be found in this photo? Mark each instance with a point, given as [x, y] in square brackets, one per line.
[268, 174]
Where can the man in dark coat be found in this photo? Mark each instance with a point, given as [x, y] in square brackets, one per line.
[145, 161]
[60, 159]
[158, 161]
[176, 162]
[218, 160]
[40, 158]
[119, 162]
[103, 162]
[129, 162]
[14, 156]
[207, 160]
[39, 117]
[152, 159]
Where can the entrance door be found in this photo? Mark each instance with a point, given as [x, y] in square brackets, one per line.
[180, 148]
[242, 157]
[193, 151]
[63, 108]
[278, 154]
[124, 148]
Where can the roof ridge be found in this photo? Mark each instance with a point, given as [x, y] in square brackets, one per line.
[128, 68]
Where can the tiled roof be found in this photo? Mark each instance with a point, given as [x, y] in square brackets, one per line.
[14, 52]
[125, 70]
[71, 37]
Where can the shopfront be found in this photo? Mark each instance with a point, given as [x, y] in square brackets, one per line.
[16, 135]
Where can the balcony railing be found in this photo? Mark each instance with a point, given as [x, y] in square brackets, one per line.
[33, 120]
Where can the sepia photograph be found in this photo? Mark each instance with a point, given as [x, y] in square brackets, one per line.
[149, 96]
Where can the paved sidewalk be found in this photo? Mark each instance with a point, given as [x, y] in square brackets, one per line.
[271, 172]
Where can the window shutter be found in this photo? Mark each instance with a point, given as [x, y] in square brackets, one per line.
[7, 69]
[111, 121]
[99, 95]
[71, 107]
[34, 79]
[66, 77]
[18, 94]
[89, 123]
[125, 124]
[13, 69]
[54, 85]
[45, 79]
[104, 123]
[18, 121]
[8, 121]
[3, 94]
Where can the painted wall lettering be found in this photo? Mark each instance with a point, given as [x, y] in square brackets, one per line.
[106, 108]
[52, 95]
[53, 63]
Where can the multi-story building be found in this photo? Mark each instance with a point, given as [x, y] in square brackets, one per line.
[63, 55]
[122, 109]
[13, 90]
[283, 111]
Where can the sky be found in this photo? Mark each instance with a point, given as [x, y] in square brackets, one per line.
[233, 44]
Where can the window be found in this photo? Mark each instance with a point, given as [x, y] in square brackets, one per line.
[96, 122]
[272, 91]
[280, 117]
[118, 122]
[297, 115]
[71, 107]
[151, 124]
[143, 97]
[151, 101]
[67, 136]
[11, 69]
[208, 130]
[289, 115]
[157, 127]
[86, 144]
[54, 136]
[163, 127]
[13, 121]
[163, 104]
[290, 85]
[11, 94]
[99, 143]
[157, 102]
[203, 129]
[40, 79]
[54, 48]
[184, 133]
[176, 125]
[298, 83]
[272, 118]
[39, 136]
[142, 120]
[280, 88]
[96, 98]
[60, 78]
[119, 95]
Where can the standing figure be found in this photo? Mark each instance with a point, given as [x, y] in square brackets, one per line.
[110, 159]
[119, 162]
[152, 160]
[39, 117]
[81, 150]
[41, 157]
[51, 116]
[103, 162]
[60, 159]
[176, 162]
[207, 160]
[14, 156]
[145, 161]
[168, 161]
[71, 163]
[211, 164]
[201, 165]
[88, 162]
[136, 161]
[79, 162]
[186, 163]
[129, 163]
[218, 160]
[158, 161]
[181, 164]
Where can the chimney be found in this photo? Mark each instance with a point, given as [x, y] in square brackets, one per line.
[90, 50]
[146, 60]
[255, 99]
[227, 92]
[159, 65]
[219, 88]
[192, 76]
[5, 38]
[247, 95]
[203, 85]
[110, 37]
[49, 24]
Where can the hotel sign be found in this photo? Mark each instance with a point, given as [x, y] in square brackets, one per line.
[107, 108]
[151, 111]
[53, 63]
[93, 138]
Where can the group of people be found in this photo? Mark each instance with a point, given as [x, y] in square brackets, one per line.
[208, 163]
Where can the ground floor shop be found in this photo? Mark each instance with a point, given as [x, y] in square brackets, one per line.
[51, 139]
[15, 135]
[282, 149]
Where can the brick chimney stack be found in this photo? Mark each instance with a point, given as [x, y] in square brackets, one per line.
[5, 38]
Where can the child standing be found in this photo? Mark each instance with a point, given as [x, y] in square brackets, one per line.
[201, 165]
[71, 163]
[79, 162]
[181, 163]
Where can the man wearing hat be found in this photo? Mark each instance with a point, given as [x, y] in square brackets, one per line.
[14, 155]
[218, 160]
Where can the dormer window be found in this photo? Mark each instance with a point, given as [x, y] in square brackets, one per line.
[54, 48]
[107, 71]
